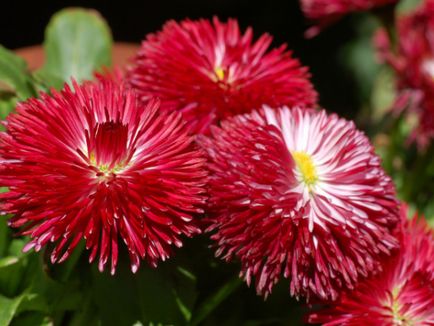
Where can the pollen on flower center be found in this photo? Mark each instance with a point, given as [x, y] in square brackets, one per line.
[220, 73]
[395, 306]
[306, 167]
[105, 169]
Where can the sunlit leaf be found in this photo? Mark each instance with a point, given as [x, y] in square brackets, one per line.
[8, 308]
[77, 42]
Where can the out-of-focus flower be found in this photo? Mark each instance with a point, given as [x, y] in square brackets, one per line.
[325, 12]
[210, 71]
[299, 193]
[413, 61]
[94, 163]
[403, 294]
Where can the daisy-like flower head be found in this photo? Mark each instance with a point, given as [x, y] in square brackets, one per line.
[299, 193]
[325, 12]
[413, 62]
[94, 163]
[403, 294]
[209, 70]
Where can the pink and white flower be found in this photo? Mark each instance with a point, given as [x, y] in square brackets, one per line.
[299, 193]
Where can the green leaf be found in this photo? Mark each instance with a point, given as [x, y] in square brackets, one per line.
[45, 80]
[11, 276]
[184, 290]
[48, 295]
[16, 247]
[12, 262]
[32, 319]
[77, 42]
[62, 272]
[176, 294]
[162, 296]
[8, 308]
[383, 94]
[359, 56]
[408, 5]
[7, 105]
[7, 261]
[112, 295]
[86, 313]
[15, 79]
[5, 237]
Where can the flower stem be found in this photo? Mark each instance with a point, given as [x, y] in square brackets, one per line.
[212, 302]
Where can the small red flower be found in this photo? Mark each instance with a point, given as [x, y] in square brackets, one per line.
[325, 12]
[94, 163]
[299, 193]
[403, 294]
[210, 71]
[413, 62]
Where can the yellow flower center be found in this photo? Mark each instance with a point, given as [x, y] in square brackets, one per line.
[398, 318]
[92, 159]
[105, 168]
[306, 167]
[220, 73]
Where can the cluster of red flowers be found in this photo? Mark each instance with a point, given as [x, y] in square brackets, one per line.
[287, 190]
[413, 60]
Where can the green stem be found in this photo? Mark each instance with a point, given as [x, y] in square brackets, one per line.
[213, 301]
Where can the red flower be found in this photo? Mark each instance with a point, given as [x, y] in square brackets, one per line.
[414, 65]
[326, 12]
[299, 193]
[403, 294]
[210, 71]
[93, 163]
